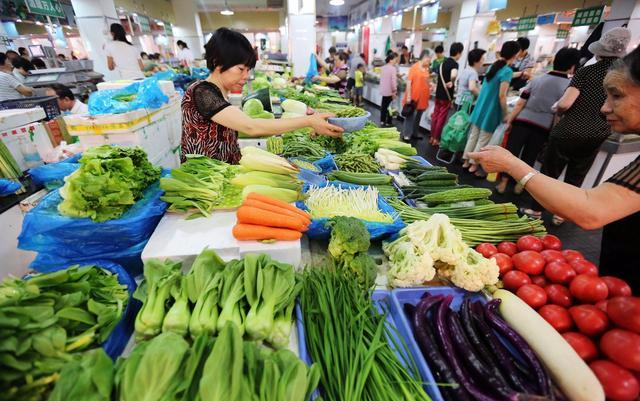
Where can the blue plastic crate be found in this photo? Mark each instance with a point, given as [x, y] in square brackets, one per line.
[384, 304]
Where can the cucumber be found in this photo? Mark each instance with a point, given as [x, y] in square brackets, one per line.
[360, 178]
[457, 195]
[437, 183]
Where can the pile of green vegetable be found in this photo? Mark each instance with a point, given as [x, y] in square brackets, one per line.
[48, 318]
[256, 293]
[434, 245]
[201, 185]
[304, 147]
[267, 174]
[356, 162]
[110, 179]
[476, 231]
[349, 338]
[275, 145]
[331, 201]
[371, 138]
[222, 368]
[382, 182]
[8, 166]
[349, 249]
[341, 110]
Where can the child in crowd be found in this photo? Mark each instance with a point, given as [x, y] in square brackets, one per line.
[359, 85]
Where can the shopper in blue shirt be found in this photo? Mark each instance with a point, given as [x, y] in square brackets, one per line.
[491, 107]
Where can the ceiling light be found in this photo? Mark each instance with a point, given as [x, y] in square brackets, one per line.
[160, 23]
[226, 10]
[336, 3]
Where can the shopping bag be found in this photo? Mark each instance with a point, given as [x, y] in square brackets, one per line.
[313, 68]
[498, 135]
[145, 94]
[454, 133]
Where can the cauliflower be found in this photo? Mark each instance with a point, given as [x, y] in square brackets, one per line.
[408, 267]
[425, 247]
[474, 271]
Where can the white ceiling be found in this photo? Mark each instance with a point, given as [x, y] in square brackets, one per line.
[323, 8]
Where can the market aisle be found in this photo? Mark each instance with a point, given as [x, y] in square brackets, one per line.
[573, 237]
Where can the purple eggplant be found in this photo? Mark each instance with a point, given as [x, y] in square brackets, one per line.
[429, 346]
[542, 378]
[450, 354]
[467, 322]
[505, 359]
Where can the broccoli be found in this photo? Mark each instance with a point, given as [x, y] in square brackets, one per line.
[349, 236]
[349, 246]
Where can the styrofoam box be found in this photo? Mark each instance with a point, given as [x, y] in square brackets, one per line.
[41, 140]
[180, 239]
[169, 159]
[153, 138]
[13, 118]
[256, 142]
[166, 86]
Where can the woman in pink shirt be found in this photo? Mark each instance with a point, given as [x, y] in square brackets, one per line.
[388, 87]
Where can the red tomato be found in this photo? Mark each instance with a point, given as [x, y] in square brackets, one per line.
[510, 248]
[559, 272]
[504, 262]
[559, 295]
[515, 279]
[582, 266]
[529, 243]
[618, 383]
[584, 347]
[557, 316]
[550, 241]
[551, 255]
[570, 255]
[539, 281]
[602, 305]
[625, 312]
[622, 347]
[589, 289]
[617, 287]
[487, 250]
[589, 319]
[529, 262]
[533, 295]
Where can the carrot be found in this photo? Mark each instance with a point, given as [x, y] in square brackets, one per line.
[276, 202]
[251, 232]
[275, 209]
[261, 217]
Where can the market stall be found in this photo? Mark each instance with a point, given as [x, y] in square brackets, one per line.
[426, 288]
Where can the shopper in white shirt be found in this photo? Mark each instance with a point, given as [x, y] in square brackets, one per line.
[184, 54]
[10, 87]
[67, 100]
[21, 68]
[122, 56]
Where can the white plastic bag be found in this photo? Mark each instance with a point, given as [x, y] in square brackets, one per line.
[498, 135]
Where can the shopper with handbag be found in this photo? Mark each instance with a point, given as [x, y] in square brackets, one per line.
[491, 107]
[447, 74]
[416, 96]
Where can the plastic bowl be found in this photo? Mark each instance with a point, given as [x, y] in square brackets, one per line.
[350, 124]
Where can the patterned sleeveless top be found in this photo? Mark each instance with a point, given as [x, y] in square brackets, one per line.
[340, 86]
[202, 136]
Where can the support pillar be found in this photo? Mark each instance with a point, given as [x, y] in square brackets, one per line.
[301, 18]
[187, 26]
[461, 28]
[94, 17]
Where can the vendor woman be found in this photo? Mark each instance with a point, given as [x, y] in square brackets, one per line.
[614, 205]
[210, 123]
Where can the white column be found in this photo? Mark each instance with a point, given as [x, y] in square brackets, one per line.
[187, 26]
[461, 27]
[625, 12]
[94, 17]
[301, 20]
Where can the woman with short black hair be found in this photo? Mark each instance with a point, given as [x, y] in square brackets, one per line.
[210, 123]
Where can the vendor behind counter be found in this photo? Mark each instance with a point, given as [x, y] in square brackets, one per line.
[67, 100]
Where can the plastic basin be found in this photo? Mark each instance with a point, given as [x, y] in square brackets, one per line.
[350, 124]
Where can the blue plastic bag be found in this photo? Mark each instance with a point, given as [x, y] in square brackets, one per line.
[168, 75]
[199, 73]
[148, 93]
[318, 228]
[313, 68]
[52, 175]
[61, 240]
[326, 164]
[8, 187]
[119, 337]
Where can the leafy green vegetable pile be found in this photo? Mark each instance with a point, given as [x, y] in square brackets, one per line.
[357, 162]
[222, 368]
[46, 319]
[371, 138]
[256, 293]
[342, 110]
[353, 344]
[201, 184]
[349, 246]
[110, 179]
[301, 145]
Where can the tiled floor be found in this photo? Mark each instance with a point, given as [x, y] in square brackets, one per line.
[572, 236]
